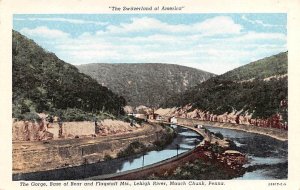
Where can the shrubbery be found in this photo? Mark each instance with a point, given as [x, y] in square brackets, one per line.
[28, 116]
[70, 114]
[107, 157]
[165, 139]
[133, 148]
[198, 170]
[219, 135]
[215, 148]
[73, 114]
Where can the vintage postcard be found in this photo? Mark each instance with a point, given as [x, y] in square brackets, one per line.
[138, 94]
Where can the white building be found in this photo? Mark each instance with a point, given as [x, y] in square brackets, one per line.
[173, 120]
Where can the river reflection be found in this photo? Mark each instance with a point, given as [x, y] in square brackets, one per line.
[267, 156]
[186, 139]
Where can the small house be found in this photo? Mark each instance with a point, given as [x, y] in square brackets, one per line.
[153, 116]
[173, 120]
[159, 118]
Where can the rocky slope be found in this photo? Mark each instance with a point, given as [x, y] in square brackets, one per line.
[259, 89]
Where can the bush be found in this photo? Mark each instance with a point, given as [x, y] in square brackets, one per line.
[219, 135]
[70, 114]
[137, 144]
[159, 144]
[74, 114]
[165, 139]
[29, 116]
[107, 157]
[133, 148]
[215, 148]
[104, 115]
[126, 119]
[232, 145]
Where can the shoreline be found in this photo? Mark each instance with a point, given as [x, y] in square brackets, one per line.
[271, 132]
[170, 164]
[162, 166]
[83, 169]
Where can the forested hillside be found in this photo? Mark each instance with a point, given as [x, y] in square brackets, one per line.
[264, 68]
[261, 96]
[147, 84]
[43, 83]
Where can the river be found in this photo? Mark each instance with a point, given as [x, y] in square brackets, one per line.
[268, 157]
[186, 139]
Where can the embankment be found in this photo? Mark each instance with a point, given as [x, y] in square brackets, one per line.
[169, 165]
[70, 129]
[156, 169]
[278, 134]
[33, 156]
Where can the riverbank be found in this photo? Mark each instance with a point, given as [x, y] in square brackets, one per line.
[278, 134]
[207, 151]
[108, 165]
[209, 137]
[209, 156]
[267, 156]
[201, 163]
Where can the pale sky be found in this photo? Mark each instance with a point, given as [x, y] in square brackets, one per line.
[211, 42]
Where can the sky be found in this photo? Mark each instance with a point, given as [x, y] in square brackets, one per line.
[215, 43]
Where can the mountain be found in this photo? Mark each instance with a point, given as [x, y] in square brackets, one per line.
[147, 84]
[261, 69]
[258, 88]
[42, 82]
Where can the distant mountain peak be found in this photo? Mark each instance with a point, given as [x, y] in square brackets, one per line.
[145, 83]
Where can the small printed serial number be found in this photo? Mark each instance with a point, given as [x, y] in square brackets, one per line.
[276, 184]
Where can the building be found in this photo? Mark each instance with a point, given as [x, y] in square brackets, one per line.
[173, 120]
[153, 116]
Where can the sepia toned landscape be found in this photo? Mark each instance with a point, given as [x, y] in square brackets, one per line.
[124, 112]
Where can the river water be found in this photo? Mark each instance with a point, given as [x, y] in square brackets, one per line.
[268, 157]
[186, 139]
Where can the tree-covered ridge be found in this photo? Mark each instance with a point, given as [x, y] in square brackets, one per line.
[263, 68]
[42, 82]
[147, 84]
[225, 93]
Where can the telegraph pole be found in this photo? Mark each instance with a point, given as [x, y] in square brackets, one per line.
[143, 159]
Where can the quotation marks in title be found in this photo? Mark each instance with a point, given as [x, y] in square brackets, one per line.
[144, 8]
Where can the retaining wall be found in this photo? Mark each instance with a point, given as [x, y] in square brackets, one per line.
[48, 155]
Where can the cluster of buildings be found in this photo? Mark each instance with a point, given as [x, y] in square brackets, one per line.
[155, 117]
[170, 115]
